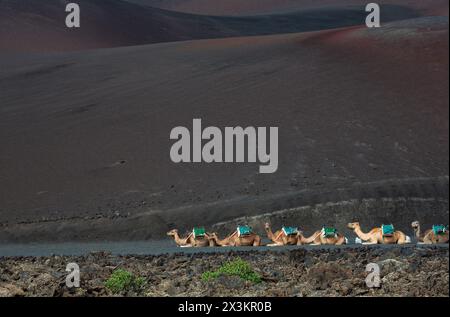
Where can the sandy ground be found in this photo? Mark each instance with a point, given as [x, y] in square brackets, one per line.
[404, 271]
[363, 114]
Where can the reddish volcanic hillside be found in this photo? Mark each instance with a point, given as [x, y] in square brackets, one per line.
[34, 25]
[250, 7]
[85, 135]
[40, 26]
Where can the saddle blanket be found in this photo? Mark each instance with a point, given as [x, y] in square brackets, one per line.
[388, 230]
[290, 231]
[244, 230]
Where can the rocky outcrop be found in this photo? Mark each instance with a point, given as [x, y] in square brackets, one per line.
[404, 271]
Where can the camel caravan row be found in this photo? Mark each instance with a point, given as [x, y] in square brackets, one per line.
[245, 236]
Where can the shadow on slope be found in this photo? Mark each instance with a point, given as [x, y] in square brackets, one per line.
[33, 25]
[253, 7]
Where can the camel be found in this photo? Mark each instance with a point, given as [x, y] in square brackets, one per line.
[226, 242]
[330, 236]
[190, 240]
[251, 239]
[282, 237]
[375, 236]
[324, 237]
[430, 236]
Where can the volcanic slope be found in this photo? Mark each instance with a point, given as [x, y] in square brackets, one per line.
[86, 134]
[254, 7]
[34, 25]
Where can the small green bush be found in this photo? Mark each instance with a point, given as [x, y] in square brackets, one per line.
[122, 281]
[236, 267]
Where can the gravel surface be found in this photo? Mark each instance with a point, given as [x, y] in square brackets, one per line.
[404, 271]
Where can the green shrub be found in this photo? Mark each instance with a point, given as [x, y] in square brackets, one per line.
[238, 268]
[122, 281]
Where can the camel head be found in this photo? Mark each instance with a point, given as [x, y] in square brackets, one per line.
[172, 233]
[353, 225]
[415, 225]
[213, 235]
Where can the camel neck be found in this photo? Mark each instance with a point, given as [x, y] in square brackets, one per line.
[361, 234]
[269, 233]
[177, 238]
[417, 232]
[219, 242]
[309, 239]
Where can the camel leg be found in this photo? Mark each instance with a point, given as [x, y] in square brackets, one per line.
[370, 242]
[275, 245]
[257, 242]
[317, 241]
[401, 239]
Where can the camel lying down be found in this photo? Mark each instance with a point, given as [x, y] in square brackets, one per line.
[236, 240]
[191, 240]
[437, 234]
[377, 236]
